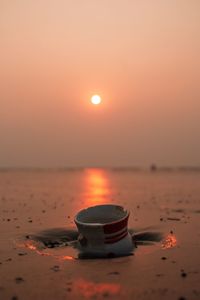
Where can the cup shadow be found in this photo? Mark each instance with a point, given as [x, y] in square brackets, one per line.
[62, 237]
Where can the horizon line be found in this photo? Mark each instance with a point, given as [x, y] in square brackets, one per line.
[152, 167]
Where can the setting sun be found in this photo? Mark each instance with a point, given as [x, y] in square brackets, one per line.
[96, 99]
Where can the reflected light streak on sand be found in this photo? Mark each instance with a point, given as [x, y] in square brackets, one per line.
[31, 246]
[96, 187]
[170, 241]
[90, 289]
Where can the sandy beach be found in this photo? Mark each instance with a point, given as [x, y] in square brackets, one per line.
[38, 261]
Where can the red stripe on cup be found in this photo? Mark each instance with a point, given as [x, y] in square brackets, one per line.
[116, 235]
[117, 239]
[116, 226]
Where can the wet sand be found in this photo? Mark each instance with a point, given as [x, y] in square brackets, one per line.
[38, 255]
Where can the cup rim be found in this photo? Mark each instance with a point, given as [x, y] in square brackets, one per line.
[99, 224]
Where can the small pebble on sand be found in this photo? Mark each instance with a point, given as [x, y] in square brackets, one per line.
[164, 258]
[19, 280]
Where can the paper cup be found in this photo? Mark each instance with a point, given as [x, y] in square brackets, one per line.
[103, 230]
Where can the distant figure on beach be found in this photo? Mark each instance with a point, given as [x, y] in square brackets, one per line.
[153, 168]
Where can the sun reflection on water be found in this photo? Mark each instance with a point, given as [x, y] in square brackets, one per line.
[89, 289]
[97, 189]
[170, 241]
[33, 247]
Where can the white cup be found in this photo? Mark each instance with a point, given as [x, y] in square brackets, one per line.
[103, 231]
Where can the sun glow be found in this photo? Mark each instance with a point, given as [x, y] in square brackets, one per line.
[96, 99]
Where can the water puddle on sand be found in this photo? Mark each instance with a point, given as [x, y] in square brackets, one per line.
[61, 243]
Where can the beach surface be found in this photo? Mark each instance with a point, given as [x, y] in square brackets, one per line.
[37, 257]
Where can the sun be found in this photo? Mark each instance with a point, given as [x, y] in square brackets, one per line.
[96, 99]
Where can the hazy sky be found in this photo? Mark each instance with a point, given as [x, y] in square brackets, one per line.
[141, 56]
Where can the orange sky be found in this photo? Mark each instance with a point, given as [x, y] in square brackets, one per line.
[142, 57]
